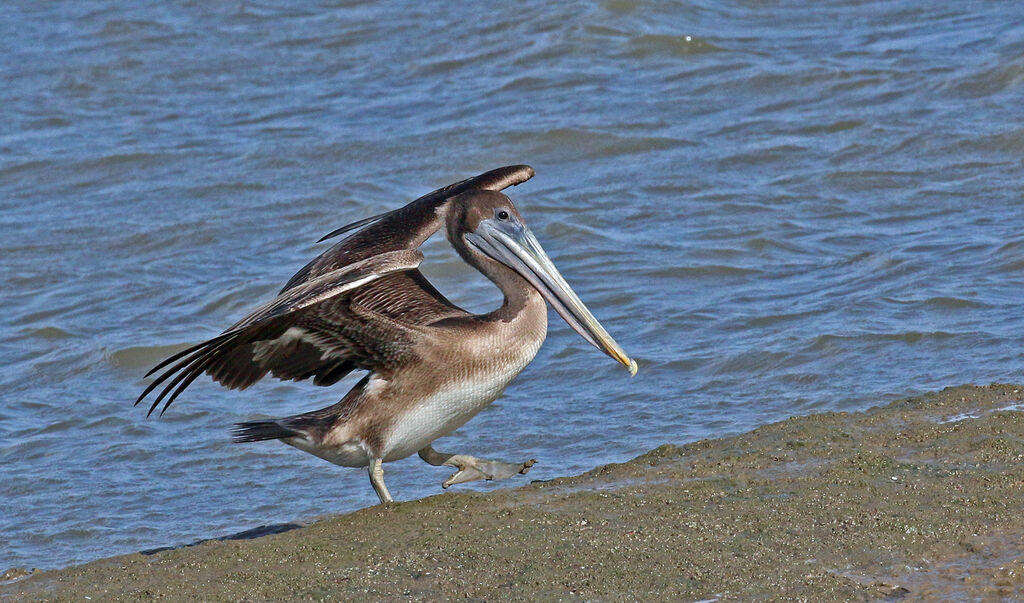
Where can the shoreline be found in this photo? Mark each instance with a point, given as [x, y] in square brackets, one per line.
[922, 497]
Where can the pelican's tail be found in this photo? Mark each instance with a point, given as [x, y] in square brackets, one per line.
[257, 431]
[310, 427]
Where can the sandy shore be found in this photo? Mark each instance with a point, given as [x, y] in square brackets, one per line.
[921, 498]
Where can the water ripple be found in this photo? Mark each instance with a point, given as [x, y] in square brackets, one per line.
[776, 210]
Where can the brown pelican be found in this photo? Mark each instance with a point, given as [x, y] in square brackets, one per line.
[364, 305]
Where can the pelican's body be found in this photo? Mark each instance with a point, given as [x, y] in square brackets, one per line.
[364, 305]
[380, 414]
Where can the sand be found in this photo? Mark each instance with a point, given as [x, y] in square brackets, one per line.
[922, 498]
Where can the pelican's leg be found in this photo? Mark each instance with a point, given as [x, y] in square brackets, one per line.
[471, 468]
[377, 479]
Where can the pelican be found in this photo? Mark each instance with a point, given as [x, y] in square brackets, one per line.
[363, 305]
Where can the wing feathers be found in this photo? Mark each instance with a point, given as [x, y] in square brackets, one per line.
[495, 180]
[184, 352]
[335, 283]
[406, 227]
[269, 340]
[182, 369]
[353, 226]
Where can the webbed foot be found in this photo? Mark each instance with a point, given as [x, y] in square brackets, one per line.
[471, 468]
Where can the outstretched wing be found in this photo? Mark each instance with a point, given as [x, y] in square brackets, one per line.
[317, 329]
[356, 306]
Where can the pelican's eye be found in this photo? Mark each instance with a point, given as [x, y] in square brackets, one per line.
[501, 214]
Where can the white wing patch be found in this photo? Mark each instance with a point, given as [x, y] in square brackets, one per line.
[264, 350]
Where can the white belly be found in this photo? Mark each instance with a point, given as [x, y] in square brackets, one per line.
[458, 401]
[440, 414]
[433, 417]
[488, 366]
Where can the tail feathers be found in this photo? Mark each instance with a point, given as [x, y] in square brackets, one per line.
[257, 431]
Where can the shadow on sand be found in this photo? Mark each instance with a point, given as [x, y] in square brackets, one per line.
[261, 531]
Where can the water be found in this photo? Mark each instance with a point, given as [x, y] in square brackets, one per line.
[777, 210]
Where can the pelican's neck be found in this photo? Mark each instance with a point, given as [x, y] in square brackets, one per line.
[519, 293]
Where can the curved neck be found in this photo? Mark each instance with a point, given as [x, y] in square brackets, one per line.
[518, 292]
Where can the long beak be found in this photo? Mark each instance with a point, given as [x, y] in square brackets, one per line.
[512, 244]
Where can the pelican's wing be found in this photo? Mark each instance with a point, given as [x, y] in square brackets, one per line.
[406, 227]
[316, 329]
[354, 307]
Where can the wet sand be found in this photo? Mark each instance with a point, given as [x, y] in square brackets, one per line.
[922, 498]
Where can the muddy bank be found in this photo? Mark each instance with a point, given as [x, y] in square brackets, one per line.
[921, 498]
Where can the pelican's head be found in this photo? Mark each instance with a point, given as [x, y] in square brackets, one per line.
[492, 226]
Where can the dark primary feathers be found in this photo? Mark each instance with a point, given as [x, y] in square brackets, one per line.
[357, 306]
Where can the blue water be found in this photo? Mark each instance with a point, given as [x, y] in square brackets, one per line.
[777, 208]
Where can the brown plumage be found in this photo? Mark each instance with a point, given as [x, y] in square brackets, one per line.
[232, 358]
[364, 305]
